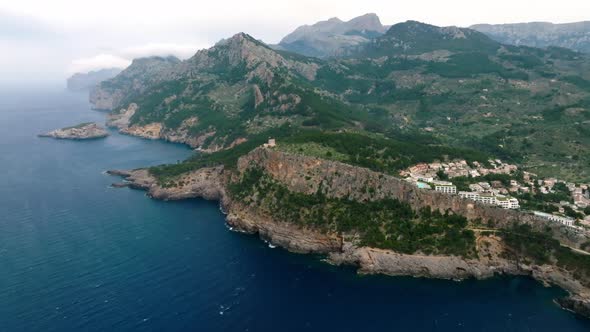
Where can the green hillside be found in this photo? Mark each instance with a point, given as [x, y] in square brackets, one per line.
[456, 87]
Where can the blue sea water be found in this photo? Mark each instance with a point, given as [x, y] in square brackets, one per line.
[76, 255]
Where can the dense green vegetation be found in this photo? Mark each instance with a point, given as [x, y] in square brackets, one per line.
[378, 153]
[227, 158]
[470, 64]
[541, 248]
[389, 155]
[416, 38]
[387, 224]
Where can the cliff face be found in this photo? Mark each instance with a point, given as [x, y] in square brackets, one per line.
[141, 74]
[337, 180]
[283, 234]
[105, 99]
[305, 175]
[213, 100]
[156, 130]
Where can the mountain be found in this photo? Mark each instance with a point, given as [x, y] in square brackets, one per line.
[87, 81]
[414, 37]
[525, 104]
[142, 72]
[575, 36]
[217, 98]
[455, 86]
[333, 37]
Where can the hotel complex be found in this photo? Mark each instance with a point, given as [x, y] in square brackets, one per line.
[505, 202]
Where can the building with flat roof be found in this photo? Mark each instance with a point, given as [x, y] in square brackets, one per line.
[562, 220]
[469, 195]
[271, 143]
[505, 202]
[446, 188]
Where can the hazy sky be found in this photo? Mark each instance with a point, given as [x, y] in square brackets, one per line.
[46, 40]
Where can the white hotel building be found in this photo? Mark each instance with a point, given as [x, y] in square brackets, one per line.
[447, 188]
[491, 199]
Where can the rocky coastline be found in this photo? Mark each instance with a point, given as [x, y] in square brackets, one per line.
[82, 131]
[343, 249]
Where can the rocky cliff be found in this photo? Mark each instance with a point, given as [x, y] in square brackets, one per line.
[305, 175]
[220, 96]
[140, 75]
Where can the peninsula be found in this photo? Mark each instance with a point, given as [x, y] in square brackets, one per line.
[377, 222]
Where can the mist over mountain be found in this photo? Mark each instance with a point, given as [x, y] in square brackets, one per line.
[575, 36]
[333, 37]
[87, 81]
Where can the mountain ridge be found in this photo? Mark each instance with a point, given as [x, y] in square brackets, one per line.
[332, 37]
[575, 35]
[414, 76]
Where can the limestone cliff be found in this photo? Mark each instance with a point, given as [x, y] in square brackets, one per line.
[141, 74]
[306, 175]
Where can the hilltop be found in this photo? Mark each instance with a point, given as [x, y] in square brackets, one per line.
[333, 37]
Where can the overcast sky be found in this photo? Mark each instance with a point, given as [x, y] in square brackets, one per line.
[46, 40]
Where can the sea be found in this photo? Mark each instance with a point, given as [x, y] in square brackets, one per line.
[78, 255]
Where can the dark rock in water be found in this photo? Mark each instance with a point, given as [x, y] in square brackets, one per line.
[79, 132]
[120, 185]
[579, 305]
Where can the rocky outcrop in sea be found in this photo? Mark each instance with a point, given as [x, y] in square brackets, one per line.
[82, 131]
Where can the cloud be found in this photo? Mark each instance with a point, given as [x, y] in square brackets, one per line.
[100, 61]
[123, 58]
[24, 28]
[182, 51]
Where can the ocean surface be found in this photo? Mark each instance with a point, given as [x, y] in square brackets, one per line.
[77, 255]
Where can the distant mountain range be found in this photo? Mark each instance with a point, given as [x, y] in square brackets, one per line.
[575, 36]
[333, 37]
[87, 81]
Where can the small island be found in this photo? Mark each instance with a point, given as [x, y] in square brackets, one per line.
[83, 131]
